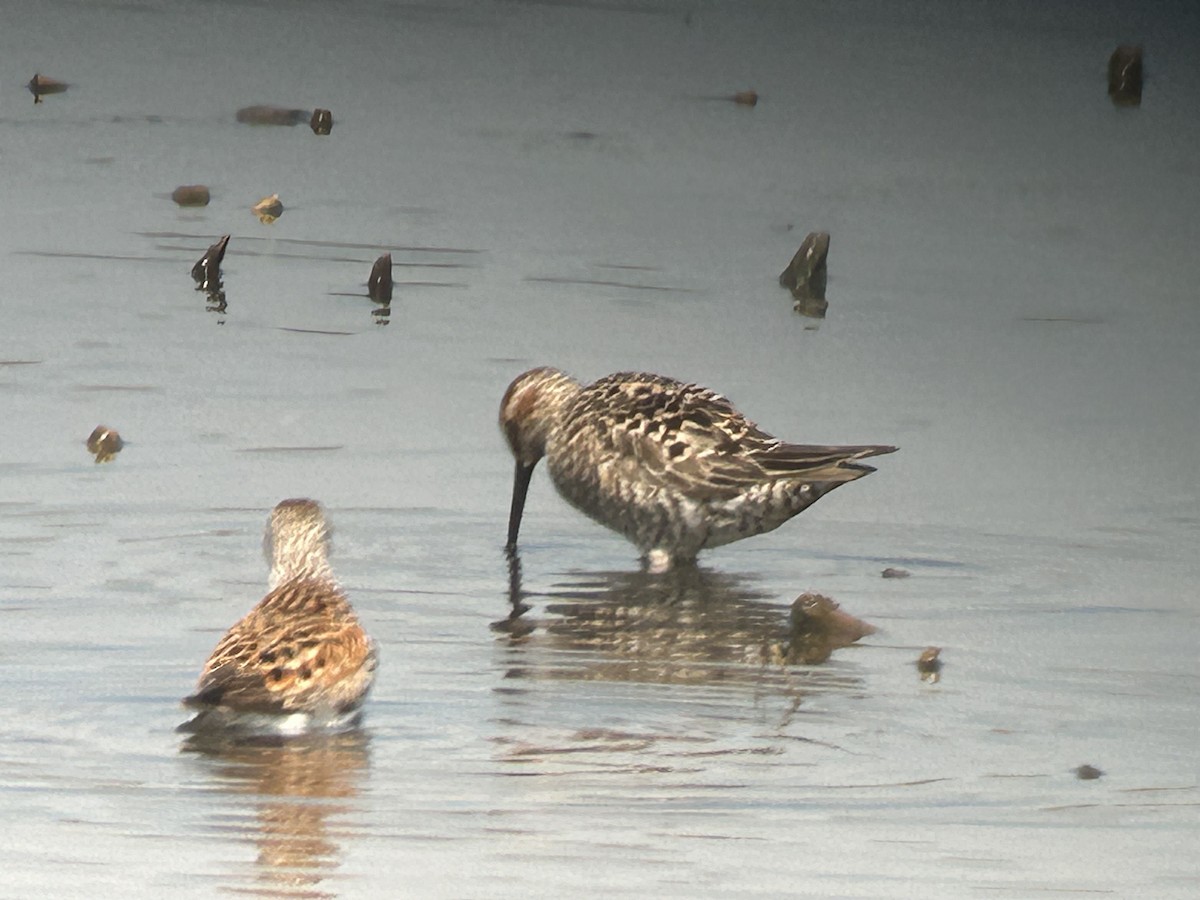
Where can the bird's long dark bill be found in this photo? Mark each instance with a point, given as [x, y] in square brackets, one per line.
[520, 487]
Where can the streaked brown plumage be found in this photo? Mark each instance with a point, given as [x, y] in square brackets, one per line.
[674, 467]
[301, 651]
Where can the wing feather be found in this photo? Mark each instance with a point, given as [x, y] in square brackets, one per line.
[693, 441]
[295, 649]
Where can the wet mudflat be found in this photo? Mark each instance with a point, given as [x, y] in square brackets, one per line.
[1011, 301]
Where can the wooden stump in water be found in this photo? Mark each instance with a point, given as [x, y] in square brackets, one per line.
[268, 209]
[191, 195]
[104, 443]
[817, 627]
[806, 274]
[929, 666]
[1125, 75]
[207, 270]
[379, 285]
[321, 121]
[39, 85]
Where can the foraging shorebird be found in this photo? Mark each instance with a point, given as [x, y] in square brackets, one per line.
[671, 466]
[299, 661]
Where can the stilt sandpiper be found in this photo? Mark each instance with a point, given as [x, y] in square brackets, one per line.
[671, 466]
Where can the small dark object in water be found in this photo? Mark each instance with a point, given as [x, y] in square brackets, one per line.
[207, 270]
[817, 627]
[890, 572]
[1125, 75]
[271, 115]
[191, 195]
[806, 274]
[1087, 773]
[268, 209]
[321, 121]
[929, 665]
[746, 98]
[104, 443]
[379, 287]
[40, 85]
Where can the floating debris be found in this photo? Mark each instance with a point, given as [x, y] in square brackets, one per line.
[929, 665]
[891, 572]
[272, 115]
[104, 443]
[817, 627]
[191, 195]
[207, 270]
[746, 98]
[40, 85]
[1087, 773]
[1125, 75]
[268, 209]
[321, 121]
[806, 274]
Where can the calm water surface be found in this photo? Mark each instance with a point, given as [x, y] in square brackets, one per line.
[1012, 301]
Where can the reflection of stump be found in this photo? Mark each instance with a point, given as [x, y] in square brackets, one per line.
[806, 274]
[271, 115]
[1125, 75]
[215, 302]
[321, 121]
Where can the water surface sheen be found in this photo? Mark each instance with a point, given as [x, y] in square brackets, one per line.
[1011, 301]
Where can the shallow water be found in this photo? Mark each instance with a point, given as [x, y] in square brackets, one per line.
[1012, 301]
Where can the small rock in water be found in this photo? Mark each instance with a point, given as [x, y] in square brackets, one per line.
[1125, 75]
[806, 275]
[1087, 773]
[268, 209]
[929, 665]
[190, 195]
[39, 85]
[379, 286]
[746, 98]
[321, 121]
[104, 443]
[890, 572]
[271, 115]
[207, 270]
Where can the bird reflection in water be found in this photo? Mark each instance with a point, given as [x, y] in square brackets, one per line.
[689, 625]
[300, 791]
